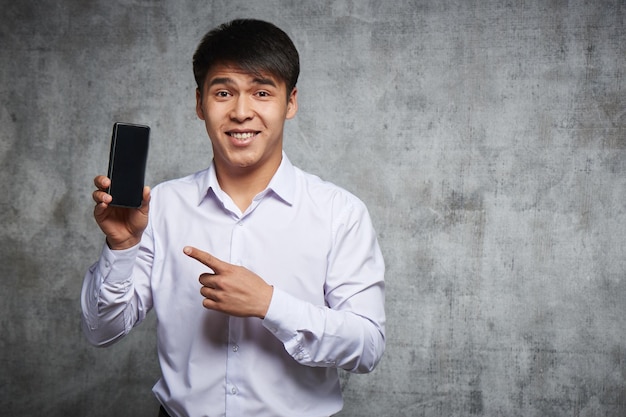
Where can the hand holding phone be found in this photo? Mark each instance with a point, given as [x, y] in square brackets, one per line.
[119, 195]
[127, 164]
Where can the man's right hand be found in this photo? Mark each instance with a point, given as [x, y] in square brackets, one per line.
[122, 226]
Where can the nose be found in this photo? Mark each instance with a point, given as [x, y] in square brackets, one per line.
[242, 109]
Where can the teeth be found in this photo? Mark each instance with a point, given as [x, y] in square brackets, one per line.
[246, 135]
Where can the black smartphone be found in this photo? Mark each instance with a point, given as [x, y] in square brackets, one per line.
[127, 164]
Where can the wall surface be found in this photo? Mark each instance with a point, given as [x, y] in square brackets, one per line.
[488, 139]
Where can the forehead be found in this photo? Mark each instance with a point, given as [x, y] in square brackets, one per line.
[229, 74]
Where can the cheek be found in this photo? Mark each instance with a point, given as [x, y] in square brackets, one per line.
[277, 116]
[211, 116]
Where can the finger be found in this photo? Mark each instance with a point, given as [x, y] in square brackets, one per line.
[210, 304]
[146, 194]
[101, 197]
[145, 200]
[209, 294]
[217, 265]
[207, 280]
[101, 182]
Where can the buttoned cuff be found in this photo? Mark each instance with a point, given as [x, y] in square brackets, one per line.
[283, 316]
[117, 265]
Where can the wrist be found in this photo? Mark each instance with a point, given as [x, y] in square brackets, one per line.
[126, 244]
[267, 301]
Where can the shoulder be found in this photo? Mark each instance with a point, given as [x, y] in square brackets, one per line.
[187, 184]
[177, 196]
[327, 193]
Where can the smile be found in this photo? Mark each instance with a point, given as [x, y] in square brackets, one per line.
[242, 136]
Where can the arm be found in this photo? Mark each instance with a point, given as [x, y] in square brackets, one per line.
[109, 301]
[349, 332]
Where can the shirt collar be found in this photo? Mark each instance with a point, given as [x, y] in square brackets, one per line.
[282, 184]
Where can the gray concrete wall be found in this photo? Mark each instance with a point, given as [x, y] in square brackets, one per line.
[487, 138]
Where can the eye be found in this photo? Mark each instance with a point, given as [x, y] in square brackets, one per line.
[222, 94]
[263, 94]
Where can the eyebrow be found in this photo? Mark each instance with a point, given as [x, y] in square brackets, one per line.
[256, 80]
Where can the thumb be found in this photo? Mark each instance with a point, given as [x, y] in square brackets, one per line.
[205, 258]
[145, 199]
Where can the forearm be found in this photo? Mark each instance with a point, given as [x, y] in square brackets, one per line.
[108, 300]
[348, 331]
[321, 336]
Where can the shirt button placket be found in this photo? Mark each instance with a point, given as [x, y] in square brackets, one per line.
[235, 365]
[237, 242]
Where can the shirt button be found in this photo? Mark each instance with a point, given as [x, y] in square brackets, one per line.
[300, 356]
[233, 390]
[235, 348]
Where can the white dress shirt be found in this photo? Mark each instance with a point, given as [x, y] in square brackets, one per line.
[311, 240]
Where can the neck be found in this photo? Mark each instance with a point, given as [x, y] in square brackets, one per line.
[244, 185]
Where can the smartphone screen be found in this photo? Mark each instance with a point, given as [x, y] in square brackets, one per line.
[127, 164]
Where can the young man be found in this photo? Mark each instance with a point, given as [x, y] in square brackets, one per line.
[290, 273]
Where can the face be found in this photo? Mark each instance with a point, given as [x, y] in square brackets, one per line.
[244, 115]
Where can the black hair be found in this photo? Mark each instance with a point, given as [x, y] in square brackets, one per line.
[251, 45]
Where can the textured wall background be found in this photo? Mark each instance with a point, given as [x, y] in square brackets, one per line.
[487, 138]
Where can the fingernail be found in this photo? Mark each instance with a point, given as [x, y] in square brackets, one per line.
[187, 250]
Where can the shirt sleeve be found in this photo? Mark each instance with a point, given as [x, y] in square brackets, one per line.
[112, 299]
[349, 331]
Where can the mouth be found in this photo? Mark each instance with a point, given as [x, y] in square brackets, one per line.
[242, 137]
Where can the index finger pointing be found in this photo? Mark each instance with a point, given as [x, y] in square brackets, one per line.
[205, 258]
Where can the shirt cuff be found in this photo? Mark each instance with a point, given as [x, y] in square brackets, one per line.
[117, 265]
[283, 316]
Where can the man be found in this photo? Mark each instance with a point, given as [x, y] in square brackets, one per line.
[290, 273]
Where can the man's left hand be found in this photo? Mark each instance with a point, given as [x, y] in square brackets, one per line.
[231, 289]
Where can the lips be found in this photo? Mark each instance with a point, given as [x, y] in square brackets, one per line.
[242, 138]
[242, 135]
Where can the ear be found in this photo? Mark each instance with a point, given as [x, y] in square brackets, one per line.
[199, 110]
[292, 104]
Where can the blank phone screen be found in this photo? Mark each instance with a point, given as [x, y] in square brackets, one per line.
[127, 163]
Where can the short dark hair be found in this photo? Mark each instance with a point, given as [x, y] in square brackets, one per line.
[250, 45]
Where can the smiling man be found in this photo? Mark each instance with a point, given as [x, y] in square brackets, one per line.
[265, 279]
[244, 115]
